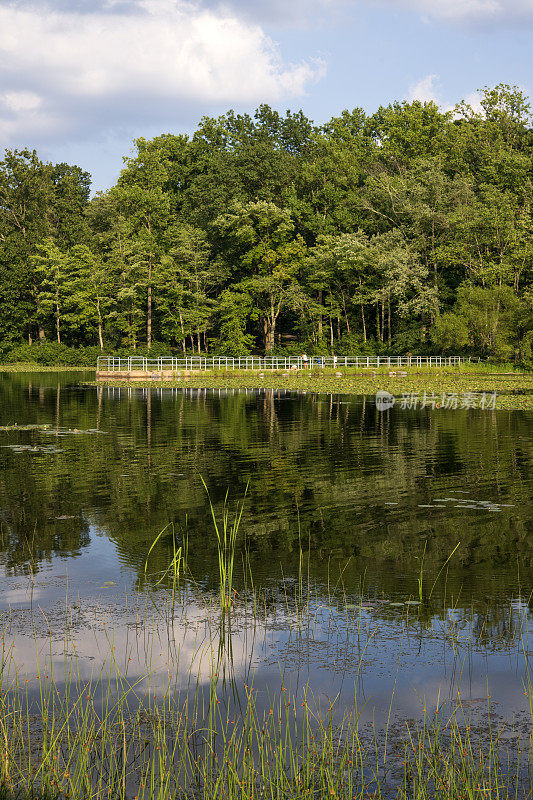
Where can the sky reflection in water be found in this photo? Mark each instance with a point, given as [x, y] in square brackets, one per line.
[375, 502]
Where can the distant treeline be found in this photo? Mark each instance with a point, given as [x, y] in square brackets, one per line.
[408, 231]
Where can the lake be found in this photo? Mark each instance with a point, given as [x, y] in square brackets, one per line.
[386, 553]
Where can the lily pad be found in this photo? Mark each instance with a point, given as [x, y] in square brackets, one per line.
[28, 448]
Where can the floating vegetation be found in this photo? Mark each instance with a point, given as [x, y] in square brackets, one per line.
[354, 382]
[47, 428]
[30, 448]
[70, 431]
[16, 427]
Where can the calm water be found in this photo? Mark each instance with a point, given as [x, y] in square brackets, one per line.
[355, 510]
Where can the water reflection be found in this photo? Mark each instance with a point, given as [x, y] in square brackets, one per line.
[354, 505]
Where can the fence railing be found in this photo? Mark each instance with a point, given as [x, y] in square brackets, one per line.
[170, 364]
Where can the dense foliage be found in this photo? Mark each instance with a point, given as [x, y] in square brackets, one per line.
[406, 231]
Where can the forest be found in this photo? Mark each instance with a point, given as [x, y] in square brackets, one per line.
[405, 232]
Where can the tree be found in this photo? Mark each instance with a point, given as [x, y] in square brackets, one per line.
[25, 202]
[50, 266]
[146, 207]
[261, 235]
[402, 280]
[89, 288]
[450, 333]
[235, 309]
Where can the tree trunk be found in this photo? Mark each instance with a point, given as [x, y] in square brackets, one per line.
[149, 311]
[390, 333]
[346, 315]
[57, 324]
[100, 332]
[320, 315]
[42, 334]
[183, 337]
[271, 322]
[377, 320]
[364, 323]
[270, 332]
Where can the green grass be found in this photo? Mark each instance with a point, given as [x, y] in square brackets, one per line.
[34, 367]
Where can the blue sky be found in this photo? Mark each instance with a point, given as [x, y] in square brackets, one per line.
[79, 79]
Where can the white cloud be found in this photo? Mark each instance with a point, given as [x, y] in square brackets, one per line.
[427, 90]
[66, 72]
[474, 101]
[424, 91]
[21, 101]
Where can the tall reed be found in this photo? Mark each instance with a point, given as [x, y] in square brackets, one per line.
[226, 534]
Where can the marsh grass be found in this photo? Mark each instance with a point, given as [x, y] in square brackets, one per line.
[226, 535]
[114, 736]
[213, 735]
[177, 562]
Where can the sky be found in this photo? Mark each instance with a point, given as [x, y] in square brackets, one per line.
[80, 79]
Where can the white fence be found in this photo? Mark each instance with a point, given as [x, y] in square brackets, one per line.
[136, 363]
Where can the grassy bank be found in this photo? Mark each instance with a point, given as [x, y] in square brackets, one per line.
[513, 390]
[34, 367]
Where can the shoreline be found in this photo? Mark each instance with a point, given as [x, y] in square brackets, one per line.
[513, 391]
